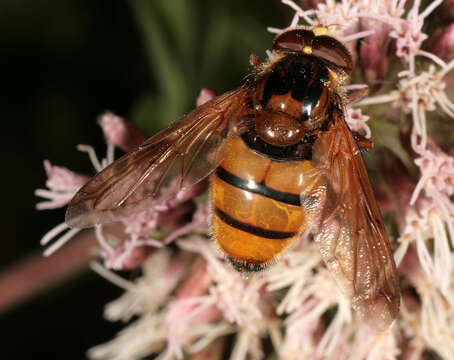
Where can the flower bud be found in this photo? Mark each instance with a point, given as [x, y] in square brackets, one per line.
[205, 96]
[120, 132]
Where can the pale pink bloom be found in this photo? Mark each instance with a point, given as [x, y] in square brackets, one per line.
[373, 14]
[415, 227]
[308, 296]
[370, 344]
[139, 228]
[172, 201]
[120, 132]
[145, 297]
[200, 221]
[293, 272]
[142, 224]
[356, 121]
[247, 346]
[320, 294]
[437, 174]
[436, 211]
[169, 215]
[190, 330]
[343, 19]
[205, 96]
[192, 319]
[409, 36]
[420, 219]
[431, 326]
[238, 299]
[298, 341]
[129, 254]
[417, 95]
[62, 184]
[437, 181]
[420, 94]
[143, 337]
[161, 273]
[412, 343]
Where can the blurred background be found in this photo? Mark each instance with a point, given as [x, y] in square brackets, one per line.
[63, 63]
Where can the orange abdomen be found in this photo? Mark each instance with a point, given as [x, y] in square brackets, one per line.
[256, 205]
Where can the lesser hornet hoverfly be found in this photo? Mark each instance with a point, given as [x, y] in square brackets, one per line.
[282, 162]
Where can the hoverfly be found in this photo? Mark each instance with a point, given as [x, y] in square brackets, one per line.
[282, 162]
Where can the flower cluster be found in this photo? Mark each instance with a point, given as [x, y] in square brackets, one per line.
[189, 302]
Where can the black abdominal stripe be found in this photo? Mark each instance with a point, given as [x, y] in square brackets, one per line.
[260, 189]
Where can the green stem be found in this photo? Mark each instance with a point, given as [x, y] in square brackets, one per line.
[161, 58]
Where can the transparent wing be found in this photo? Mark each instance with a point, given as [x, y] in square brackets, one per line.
[347, 225]
[168, 162]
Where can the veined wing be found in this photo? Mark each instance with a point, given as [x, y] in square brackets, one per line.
[174, 159]
[347, 225]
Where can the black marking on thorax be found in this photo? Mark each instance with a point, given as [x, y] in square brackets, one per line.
[297, 152]
[303, 76]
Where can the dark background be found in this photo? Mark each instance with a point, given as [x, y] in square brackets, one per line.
[62, 64]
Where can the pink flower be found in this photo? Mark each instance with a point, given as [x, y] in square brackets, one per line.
[409, 36]
[199, 222]
[120, 132]
[144, 297]
[429, 326]
[437, 173]
[120, 252]
[238, 299]
[62, 184]
[357, 122]
[191, 309]
[205, 96]
[128, 254]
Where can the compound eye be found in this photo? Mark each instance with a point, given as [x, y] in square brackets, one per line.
[332, 50]
[293, 40]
